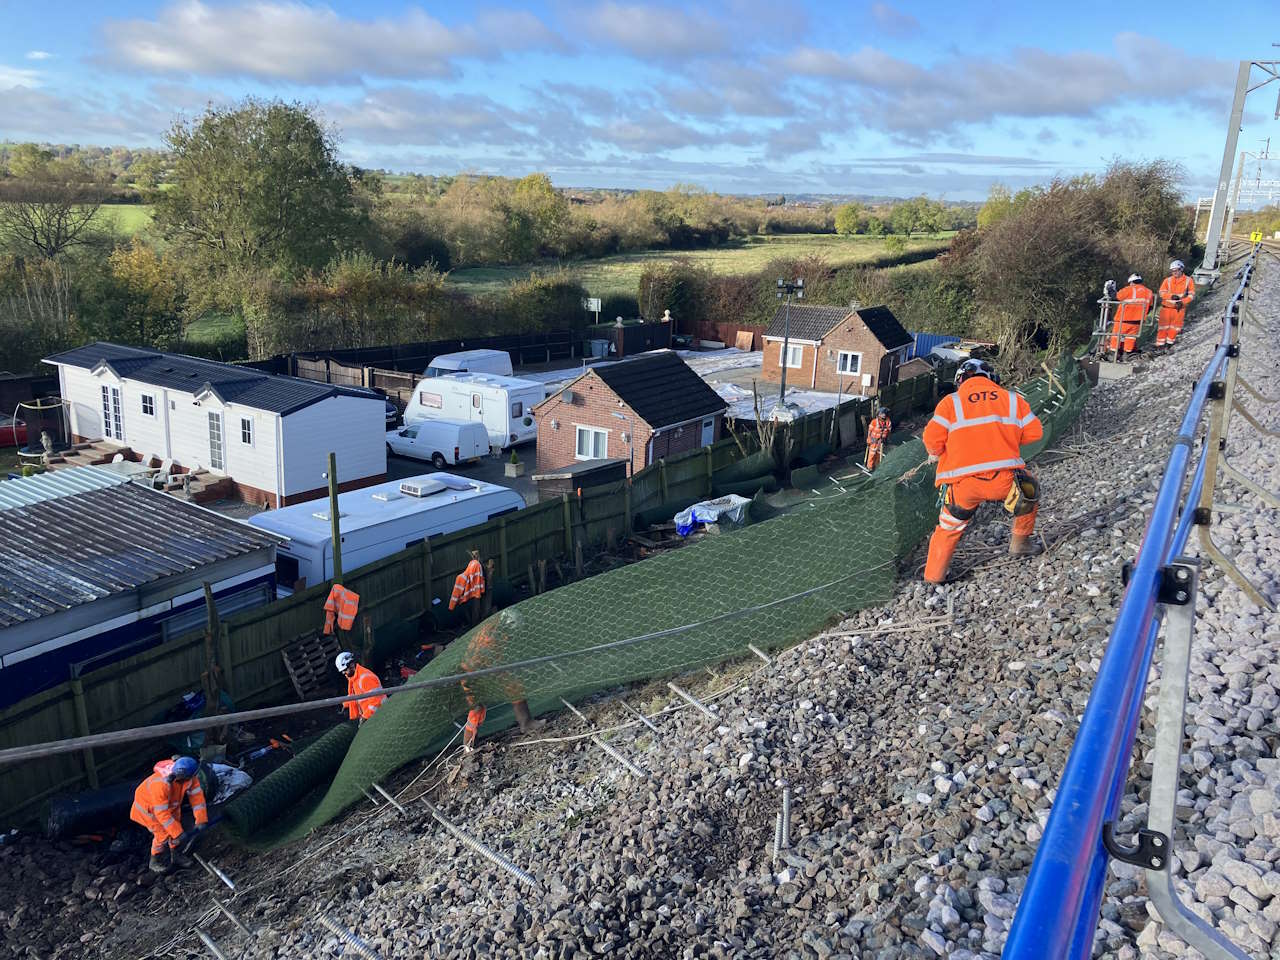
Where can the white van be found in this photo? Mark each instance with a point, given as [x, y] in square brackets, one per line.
[376, 522]
[503, 404]
[443, 442]
[470, 361]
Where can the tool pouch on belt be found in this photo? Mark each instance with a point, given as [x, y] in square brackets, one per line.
[1024, 494]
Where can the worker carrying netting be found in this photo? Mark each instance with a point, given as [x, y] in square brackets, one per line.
[771, 585]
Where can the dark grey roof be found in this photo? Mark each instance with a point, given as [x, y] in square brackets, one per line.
[661, 388]
[228, 382]
[814, 321]
[808, 321]
[75, 549]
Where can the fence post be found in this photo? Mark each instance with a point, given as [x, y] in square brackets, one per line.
[82, 729]
[224, 654]
[662, 479]
[502, 547]
[626, 506]
[426, 576]
[568, 524]
[707, 450]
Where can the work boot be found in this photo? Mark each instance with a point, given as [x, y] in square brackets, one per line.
[1020, 546]
[527, 724]
[178, 860]
[157, 865]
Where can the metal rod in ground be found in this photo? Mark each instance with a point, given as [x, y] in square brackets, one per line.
[214, 870]
[576, 712]
[786, 816]
[348, 938]
[638, 715]
[372, 798]
[759, 653]
[475, 845]
[232, 917]
[777, 837]
[692, 700]
[210, 945]
[631, 767]
[390, 799]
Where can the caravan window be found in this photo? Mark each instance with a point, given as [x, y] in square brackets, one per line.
[287, 572]
[475, 400]
[517, 409]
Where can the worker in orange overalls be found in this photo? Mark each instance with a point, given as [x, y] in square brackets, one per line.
[484, 650]
[341, 606]
[468, 587]
[1135, 302]
[877, 433]
[157, 805]
[359, 680]
[1176, 292]
[975, 437]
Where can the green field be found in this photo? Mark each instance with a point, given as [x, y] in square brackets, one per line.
[214, 328]
[621, 274]
[125, 219]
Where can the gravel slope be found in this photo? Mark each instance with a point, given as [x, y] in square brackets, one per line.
[921, 742]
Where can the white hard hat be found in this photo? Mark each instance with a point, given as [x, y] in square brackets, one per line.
[1135, 278]
[344, 660]
[1177, 265]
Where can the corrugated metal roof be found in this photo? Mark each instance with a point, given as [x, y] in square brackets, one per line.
[231, 383]
[75, 549]
[25, 491]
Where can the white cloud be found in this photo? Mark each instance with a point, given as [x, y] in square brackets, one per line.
[892, 21]
[39, 55]
[289, 41]
[655, 32]
[411, 117]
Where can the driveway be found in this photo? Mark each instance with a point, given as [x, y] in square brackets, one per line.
[488, 469]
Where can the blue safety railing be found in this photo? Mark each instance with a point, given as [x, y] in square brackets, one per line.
[1058, 913]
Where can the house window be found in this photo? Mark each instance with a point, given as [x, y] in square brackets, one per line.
[849, 363]
[246, 431]
[795, 354]
[148, 405]
[593, 444]
[112, 419]
[216, 459]
[517, 410]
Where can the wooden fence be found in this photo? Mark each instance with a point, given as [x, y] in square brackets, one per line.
[396, 592]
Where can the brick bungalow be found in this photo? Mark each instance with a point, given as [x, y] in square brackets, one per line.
[640, 410]
[837, 349]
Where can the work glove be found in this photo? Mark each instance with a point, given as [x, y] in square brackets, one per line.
[933, 457]
[183, 839]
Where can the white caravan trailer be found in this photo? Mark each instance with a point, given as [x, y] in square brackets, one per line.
[470, 361]
[503, 404]
[376, 522]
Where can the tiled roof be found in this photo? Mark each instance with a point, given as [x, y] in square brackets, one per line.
[75, 549]
[228, 382]
[661, 388]
[814, 322]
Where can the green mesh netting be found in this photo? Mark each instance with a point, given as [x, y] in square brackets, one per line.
[772, 584]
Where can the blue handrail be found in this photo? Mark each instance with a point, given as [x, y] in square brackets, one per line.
[1058, 913]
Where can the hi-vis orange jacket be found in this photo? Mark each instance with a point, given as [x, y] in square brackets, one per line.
[980, 429]
[1172, 286]
[1135, 304]
[342, 604]
[878, 431]
[363, 681]
[158, 805]
[469, 585]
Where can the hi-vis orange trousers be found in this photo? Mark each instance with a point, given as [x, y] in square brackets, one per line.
[962, 499]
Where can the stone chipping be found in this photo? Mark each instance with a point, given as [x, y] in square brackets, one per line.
[921, 741]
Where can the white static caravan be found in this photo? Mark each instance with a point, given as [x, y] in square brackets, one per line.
[377, 521]
[503, 404]
[270, 436]
[470, 361]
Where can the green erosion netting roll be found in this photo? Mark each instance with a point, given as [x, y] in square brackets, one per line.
[771, 584]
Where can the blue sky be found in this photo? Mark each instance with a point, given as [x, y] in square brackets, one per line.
[745, 96]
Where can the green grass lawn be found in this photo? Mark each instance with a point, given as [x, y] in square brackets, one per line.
[621, 274]
[214, 328]
[125, 219]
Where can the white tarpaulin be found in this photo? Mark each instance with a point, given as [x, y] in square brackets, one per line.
[731, 507]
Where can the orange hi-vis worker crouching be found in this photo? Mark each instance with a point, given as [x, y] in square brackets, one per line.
[877, 433]
[362, 681]
[976, 434]
[341, 604]
[1135, 302]
[1176, 292]
[486, 646]
[157, 806]
[469, 584]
